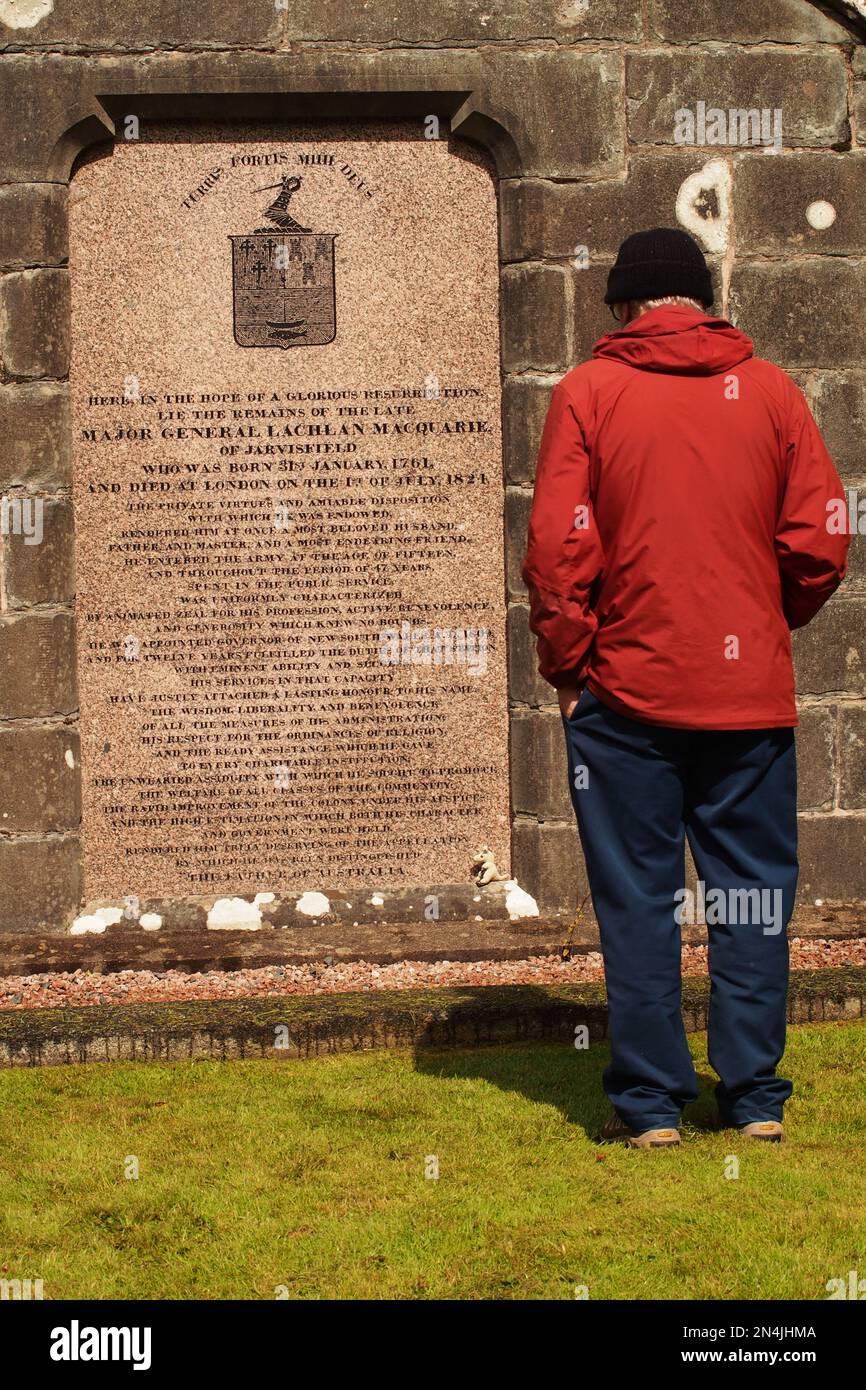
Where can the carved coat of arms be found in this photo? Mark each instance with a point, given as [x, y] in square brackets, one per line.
[283, 280]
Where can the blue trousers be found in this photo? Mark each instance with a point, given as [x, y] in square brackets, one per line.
[638, 790]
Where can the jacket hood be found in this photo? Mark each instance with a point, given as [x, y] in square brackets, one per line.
[674, 338]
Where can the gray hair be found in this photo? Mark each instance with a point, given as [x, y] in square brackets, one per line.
[640, 306]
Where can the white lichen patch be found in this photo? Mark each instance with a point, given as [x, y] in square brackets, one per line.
[313, 905]
[96, 921]
[377, 900]
[518, 902]
[572, 10]
[820, 215]
[69, 758]
[236, 914]
[151, 921]
[23, 14]
[704, 205]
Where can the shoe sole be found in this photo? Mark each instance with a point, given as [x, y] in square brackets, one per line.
[653, 1143]
[662, 1138]
[773, 1136]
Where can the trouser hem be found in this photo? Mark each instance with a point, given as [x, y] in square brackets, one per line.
[639, 1124]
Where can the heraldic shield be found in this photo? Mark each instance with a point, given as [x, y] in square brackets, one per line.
[284, 289]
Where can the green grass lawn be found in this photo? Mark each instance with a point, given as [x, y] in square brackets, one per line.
[311, 1175]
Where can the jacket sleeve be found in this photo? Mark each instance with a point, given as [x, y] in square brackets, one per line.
[811, 546]
[564, 555]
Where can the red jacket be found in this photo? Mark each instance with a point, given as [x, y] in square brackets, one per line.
[679, 526]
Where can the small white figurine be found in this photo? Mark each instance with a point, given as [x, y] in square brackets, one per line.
[484, 868]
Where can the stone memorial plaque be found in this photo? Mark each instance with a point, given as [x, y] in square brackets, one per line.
[289, 511]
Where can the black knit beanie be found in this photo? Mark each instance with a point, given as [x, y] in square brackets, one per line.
[652, 265]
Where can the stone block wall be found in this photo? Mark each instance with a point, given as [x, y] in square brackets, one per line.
[797, 286]
[577, 101]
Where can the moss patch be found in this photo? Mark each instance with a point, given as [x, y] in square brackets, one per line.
[434, 1016]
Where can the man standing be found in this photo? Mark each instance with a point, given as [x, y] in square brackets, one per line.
[679, 529]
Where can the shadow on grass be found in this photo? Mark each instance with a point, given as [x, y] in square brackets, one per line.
[551, 1071]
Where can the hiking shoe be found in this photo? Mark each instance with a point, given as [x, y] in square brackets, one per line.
[771, 1131]
[615, 1131]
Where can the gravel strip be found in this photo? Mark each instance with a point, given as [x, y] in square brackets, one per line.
[79, 988]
